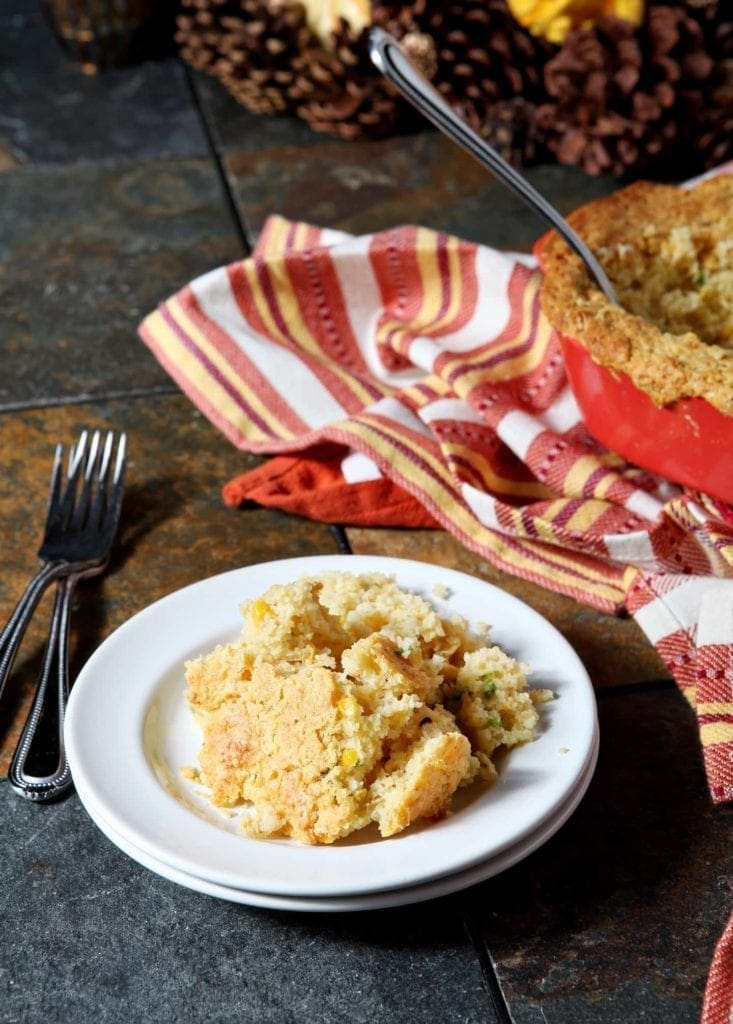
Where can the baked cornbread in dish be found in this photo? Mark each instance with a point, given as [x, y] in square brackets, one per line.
[348, 700]
[669, 254]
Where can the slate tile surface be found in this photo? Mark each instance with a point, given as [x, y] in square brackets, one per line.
[50, 112]
[418, 179]
[234, 127]
[97, 938]
[616, 918]
[85, 253]
[279, 165]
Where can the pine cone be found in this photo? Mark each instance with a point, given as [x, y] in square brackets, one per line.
[714, 137]
[268, 57]
[260, 53]
[339, 91]
[488, 67]
[713, 140]
[612, 99]
[249, 45]
[199, 32]
[624, 99]
[510, 126]
[715, 17]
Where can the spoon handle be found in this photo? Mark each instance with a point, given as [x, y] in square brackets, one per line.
[396, 66]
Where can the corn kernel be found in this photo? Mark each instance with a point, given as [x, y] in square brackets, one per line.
[259, 610]
[349, 707]
[349, 758]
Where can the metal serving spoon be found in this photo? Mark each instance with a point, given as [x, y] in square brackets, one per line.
[396, 66]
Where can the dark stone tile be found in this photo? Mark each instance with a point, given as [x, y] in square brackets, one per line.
[8, 7]
[50, 112]
[419, 179]
[85, 253]
[616, 918]
[88, 932]
[614, 650]
[175, 529]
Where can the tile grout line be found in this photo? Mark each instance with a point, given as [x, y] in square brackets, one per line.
[502, 1013]
[88, 399]
[216, 156]
[342, 540]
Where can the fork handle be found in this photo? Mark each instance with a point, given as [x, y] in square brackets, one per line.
[39, 770]
[17, 624]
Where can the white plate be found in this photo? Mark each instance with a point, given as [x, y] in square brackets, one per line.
[129, 732]
[369, 901]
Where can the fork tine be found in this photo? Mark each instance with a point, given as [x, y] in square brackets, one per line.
[81, 508]
[114, 503]
[119, 472]
[100, 495]
[55, 492]
[118, 483]
[60, 512]
[76, 453]
[84, 519]
[92, 456]
[106, 456]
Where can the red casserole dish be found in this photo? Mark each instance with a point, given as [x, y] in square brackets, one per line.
[689, 442]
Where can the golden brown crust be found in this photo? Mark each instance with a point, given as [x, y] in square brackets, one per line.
[669, 254]
[332, 711]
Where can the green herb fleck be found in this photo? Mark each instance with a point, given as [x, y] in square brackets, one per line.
[700, 280]
[489, 683]
[494, 721]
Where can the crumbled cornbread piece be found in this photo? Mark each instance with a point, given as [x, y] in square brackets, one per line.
[669, 255]
[348, 701]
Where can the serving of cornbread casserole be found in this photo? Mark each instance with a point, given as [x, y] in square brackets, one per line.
[347, 701]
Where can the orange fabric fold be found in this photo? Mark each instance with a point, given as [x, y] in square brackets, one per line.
[314, 486]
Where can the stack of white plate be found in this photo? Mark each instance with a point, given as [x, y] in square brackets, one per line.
[129, 733]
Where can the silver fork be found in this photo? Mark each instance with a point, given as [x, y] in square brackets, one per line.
[81, 524]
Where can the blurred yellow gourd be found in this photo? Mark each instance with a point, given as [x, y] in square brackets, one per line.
[323, 15]
[553, 19]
